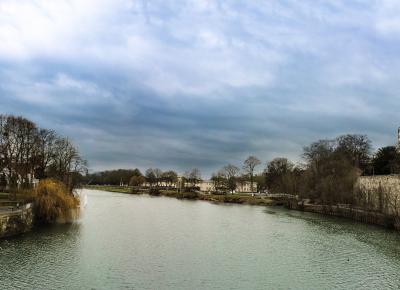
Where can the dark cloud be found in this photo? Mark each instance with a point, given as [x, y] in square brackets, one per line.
[202, 83]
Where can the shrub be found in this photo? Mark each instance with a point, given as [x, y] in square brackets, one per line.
[52, 201]
[154, 191]
[189, 195]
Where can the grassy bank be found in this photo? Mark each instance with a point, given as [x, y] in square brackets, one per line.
[121, 189]
[229, 198]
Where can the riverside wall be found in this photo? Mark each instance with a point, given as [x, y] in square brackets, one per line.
[378, 202]
[357, 214]
[16, 222]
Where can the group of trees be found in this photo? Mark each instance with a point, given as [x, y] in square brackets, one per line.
[280, 176]
[28, 152]
[330, 169]
[230, 176]
[191, 178]
[385, 161]
[328, 172]
[226, 179]
[112, 177]
[333, 166]
[153, 177]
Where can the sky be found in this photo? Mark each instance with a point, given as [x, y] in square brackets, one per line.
[197, 83]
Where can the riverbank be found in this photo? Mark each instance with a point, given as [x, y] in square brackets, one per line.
[217, 198]
[356, 214]
[348, 212]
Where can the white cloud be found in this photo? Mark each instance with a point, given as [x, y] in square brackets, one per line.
[272, 65]
[114, 33]
[387, 20]
[60, 90]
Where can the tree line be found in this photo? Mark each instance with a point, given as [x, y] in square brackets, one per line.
[153, 177]
[330, 169]
[227, 179]
[28, 153]
[327, 172]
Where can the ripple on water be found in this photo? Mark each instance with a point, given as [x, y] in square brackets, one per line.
[138, 242]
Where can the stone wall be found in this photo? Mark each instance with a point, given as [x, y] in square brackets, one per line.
[346, 211]
[16, 222]
[370, 217]
[380, 192]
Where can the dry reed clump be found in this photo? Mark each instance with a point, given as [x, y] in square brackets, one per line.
[52, 201]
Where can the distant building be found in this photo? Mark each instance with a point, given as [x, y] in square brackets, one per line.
[205, 185]
[245, 187]
[5, 182]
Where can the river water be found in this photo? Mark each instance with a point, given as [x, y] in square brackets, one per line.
[142, 242]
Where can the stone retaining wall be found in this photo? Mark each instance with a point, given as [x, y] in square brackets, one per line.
[357, 214]
[17, 222]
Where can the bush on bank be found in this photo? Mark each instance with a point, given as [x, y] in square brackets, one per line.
[52, 201]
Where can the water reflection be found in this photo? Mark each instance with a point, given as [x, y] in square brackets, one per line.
[385, 241]
[141, 242]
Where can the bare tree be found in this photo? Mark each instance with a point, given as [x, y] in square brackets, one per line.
[231, 172]
[27, 152]
[137, 181]
[357, 148]
[329, 174]
[46, 151]
[170, 177]
[150, 176]
[193, 177]
[249, 165]
[158, 175]
[219, 180]
[67, 162]
[18, 139]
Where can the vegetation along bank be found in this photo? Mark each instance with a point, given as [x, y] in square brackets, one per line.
[39, 172]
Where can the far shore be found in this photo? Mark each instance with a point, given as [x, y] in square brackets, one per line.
[217, 198]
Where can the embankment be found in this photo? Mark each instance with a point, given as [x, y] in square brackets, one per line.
[16, 222]
[345, 211]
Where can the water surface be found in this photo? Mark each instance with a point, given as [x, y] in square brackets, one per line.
[142, 242]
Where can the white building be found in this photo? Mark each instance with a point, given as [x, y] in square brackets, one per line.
[244, 187]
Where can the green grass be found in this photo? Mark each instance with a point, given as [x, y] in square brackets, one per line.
[111, 188]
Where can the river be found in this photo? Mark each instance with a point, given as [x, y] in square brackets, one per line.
[142, 242]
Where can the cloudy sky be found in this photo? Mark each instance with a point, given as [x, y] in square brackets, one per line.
[182, 84]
